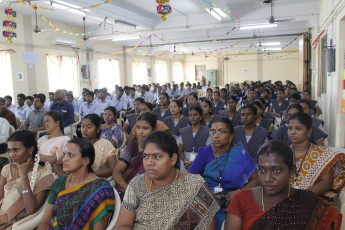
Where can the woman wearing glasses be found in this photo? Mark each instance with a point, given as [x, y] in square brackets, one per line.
[225, 167]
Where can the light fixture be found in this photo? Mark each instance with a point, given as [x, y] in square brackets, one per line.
[67, 6]
[125, 24]
[279, 48]
[125, 38]
[79, 12]
[258, 26]
[270, 44]
[213, 13]
[220, 12]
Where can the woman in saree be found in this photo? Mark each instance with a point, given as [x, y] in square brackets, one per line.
[24, 184]
[130, 162]
[189, 204]
[318, 169]
[225, 167]
[276, 204]
[80, 200]
[106, 154]
[51, 146]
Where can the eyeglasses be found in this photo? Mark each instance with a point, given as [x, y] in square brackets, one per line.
[213, 132]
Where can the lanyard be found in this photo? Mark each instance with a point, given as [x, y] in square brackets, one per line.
[294, 157]
[218, 166]
[194, 139]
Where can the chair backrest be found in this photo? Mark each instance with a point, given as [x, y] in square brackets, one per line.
[124, 140]
[117, 207]
[12, 129]
[77, 118]
[19, 123]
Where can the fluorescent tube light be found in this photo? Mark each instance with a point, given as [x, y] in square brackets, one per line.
[79, 12]
[270, 44]
[220, 12]
[213, 13]
[66, 4]
[272, 49]
[59, 6]
[125, 38]
[258, 26]
[125, 23]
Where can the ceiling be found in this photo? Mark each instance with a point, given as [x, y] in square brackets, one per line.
[188, 24]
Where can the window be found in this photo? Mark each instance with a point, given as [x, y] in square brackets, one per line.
[109, 73]
[6, 86]
[63, 73]
[161, 72]
[178, 72]
[140, 73]
[324, 73]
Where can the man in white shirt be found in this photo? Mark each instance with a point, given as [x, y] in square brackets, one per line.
[4, 129]
[50, 101]
[131, 98]
[69, 97]
[119, 102]
[90, 106]
[9, 105]
[30, 103]
[104, 102]
[21, 110]
[147, 96]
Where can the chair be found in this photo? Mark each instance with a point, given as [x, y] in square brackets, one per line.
[124, 140]
[39, 134]
[5, 154]
[12, 130]
[19, 123]
[117, 207]
[120, 120]
[77, 120]
[32, 221]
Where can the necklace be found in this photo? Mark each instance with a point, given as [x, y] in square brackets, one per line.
[294, 157]
[176, 171]
[69, 178]
[262, 197]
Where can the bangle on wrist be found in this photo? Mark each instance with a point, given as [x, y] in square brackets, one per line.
[26, 191]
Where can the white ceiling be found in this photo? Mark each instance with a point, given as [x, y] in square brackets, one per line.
[189, 21]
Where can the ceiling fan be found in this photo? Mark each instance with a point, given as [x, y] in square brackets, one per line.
[84, 37]
[37, 29]
[272, 19]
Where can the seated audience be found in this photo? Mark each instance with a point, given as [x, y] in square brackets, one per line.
[9, 105]
[65, 108]
[318, 169]
[110, 130]
[132, 117]
[231, 113]
[24, 184]
[314, 107]
[7, 114]
[106, 154]
[251, 95]
[225, 167]
[261, 120]
[306, 107]
[279, 105]
[217, 104]
[4, 129]
[251, 135]
[22, 111]
[29, 100]
[80, 200]
[208, 116]
[34, 121]
[51, 100]
[295, 98]
[317, 136]
[176, 121]
[162, 111]
[51, 146]
[275, 204]
[192, 100]
[163, 183]
[70, 99]
[103, 102]
[192, 137]
[130, 162]
[91, 106]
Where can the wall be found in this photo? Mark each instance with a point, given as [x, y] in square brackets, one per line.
[332, 20]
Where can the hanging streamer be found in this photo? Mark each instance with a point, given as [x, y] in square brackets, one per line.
[88, 67]
[8, 51]
[82, 8]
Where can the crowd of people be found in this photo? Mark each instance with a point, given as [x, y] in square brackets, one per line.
[188, 156]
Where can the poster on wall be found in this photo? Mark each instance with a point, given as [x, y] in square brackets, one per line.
[20, 76]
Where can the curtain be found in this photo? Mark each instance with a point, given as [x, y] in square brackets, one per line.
[178, 72]
[108, 73]
[161, 72]
[140, 73]
[6, 86]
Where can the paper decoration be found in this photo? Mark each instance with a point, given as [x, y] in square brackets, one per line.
[30, 58]
[163, 8]
[20, 76]
[9, 24]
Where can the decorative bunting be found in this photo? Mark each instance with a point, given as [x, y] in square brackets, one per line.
[9, 24]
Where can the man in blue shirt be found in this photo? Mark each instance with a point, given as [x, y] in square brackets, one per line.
[64, 107]
[90, 106]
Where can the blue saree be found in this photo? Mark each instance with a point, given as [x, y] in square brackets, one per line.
[237, 166]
